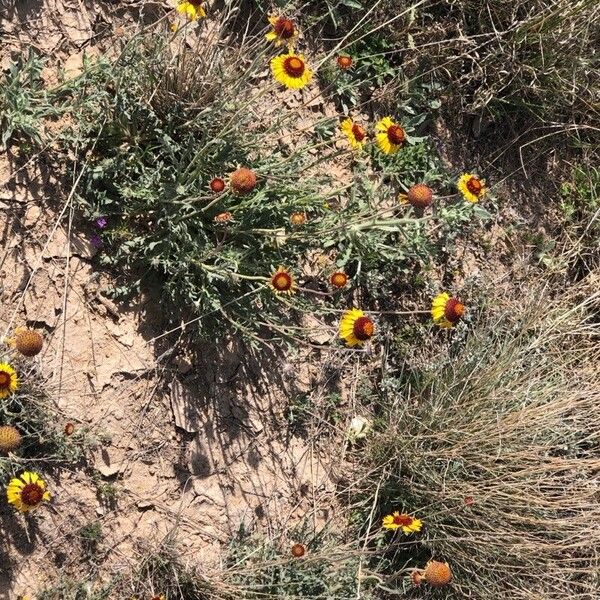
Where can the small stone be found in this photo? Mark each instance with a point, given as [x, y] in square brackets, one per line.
[145, 505]
[106, 466]
[32, 215]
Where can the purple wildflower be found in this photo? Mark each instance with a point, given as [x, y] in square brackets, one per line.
[101, 222]
[96, 241]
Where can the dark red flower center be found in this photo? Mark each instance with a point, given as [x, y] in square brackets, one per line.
[454, 310]
[282, 282]
[217, 185]
[196, 3]
[474, 186]
[4, 380]
[344, 62]
[293, 66]
[284, 28]
[363, 328]
[396, 135]
[32, 494]
[359, 132]
[403, 520]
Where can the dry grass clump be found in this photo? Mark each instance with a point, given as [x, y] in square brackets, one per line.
[526, 58]
[496, 447]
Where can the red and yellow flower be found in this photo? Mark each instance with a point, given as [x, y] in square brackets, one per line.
[355, 133]
[284, 31]
[192, 9]
[282, 282]
[356, 328]
[291, 70]
[390, 136]
[471, 187]
[27, 491]
[402, 521]
[9, 382]
[446, 310]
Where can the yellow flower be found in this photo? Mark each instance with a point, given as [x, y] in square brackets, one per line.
[446, 311]
[284, 31]
[291, 70]
[402, 521]
[356, 328]
[390, 136]
[282, 282]
[9, 382]
[471, 187]
[355, 133]
[192, 9]
[27, 491]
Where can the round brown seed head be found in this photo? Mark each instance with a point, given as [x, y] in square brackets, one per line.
[29, 342]
[437, 574]
[338, 279]
[298, 550]
[344, 62]
[298, 218]
[10, 438]
[243, 181]
[217, 185]
[420, 196]
[223, 218]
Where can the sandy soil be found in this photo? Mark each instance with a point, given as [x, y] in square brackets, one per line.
[193, 442]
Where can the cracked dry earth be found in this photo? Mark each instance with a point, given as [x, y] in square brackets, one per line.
[195, 443]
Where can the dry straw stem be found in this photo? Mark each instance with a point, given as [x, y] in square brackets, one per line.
[511, 421]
